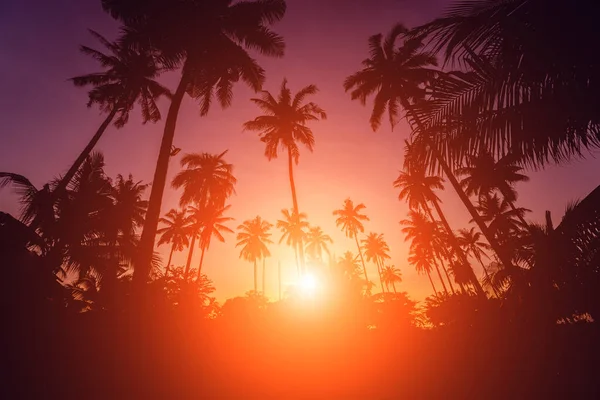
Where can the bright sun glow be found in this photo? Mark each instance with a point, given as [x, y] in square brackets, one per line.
[308, 284]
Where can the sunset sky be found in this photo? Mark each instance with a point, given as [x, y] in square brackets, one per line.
[45, 124]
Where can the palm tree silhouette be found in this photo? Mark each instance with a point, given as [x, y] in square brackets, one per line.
[176, 232]
[470, 241]
[503, 220]
[212, 226]
[420, 258]
[207, 180]
[254, 236]
[284, 126]
[391, 276]
[209, 66]
[483, 175]
[316, 243]
[376, 249]
[349, 218]
[293, 228]
[128, 77]
[397, 77]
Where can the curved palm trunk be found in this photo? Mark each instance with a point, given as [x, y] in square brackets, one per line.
[188, 264]
[437, 268]
[297, 261]
[362, 260]
[62, 185]
[457, 249]
[255, 278]
[380, 275]
[169, 262]
[140, 273]
[431, 281]
[428, 210]
[295, 205]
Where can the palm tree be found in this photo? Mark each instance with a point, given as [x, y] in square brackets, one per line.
[207, 42]
[483, 175]
[207, 180]
[316, 242]
[212, 225]
[349, 218]
[418, 189]
[194, 226]
[376, 250]
[293, 228]
[254, 236]
[503, 220]
[391, 275]
[422, 233]
[420, 258]
[284, 126]
[129, 76]
[470, 241]
[176, 232]
[397, 78]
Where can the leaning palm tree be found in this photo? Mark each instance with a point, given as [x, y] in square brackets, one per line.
[376, 250]
[421, 260]
[212, 226]
[316, 243]
[254, 235]
[293, 231]
[128, 77]
[349, 219]
[175, 232]
[208, 43]
[397, 77]
[391, 276]
[470, 241]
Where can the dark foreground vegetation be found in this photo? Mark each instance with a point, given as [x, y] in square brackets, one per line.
[90, 309]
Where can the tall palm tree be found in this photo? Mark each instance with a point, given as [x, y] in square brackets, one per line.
[420, 258]
[316, 242]
[293, 231]
[176, 232]
[254, 236]
[208, 43]
[194, 227]
[212, 226]
[376, 250]
[418, 189]
[128, 77]
[503, 220]
[283, 126]
[207, 180]
[483, 175]
[349, 218]
[397, 77]
[391, 276]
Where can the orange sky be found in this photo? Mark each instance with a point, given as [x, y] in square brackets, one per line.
[46, 124]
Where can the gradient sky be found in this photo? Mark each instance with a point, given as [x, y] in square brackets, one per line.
[45, 124]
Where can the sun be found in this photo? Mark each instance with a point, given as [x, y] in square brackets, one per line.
[308, 285]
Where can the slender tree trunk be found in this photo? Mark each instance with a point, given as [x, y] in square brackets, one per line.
[431, 217]
[62, 185]
[454, 243]
[148, 236]
[394, 286]
[295, 206]
[431, 281]
[188, 264]
[437, 268]
[447, 276]
[201, 261]
[380, 276]
[169, 262]
[297, 261]
[255, 278]
[263, 277]
[362, 260]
